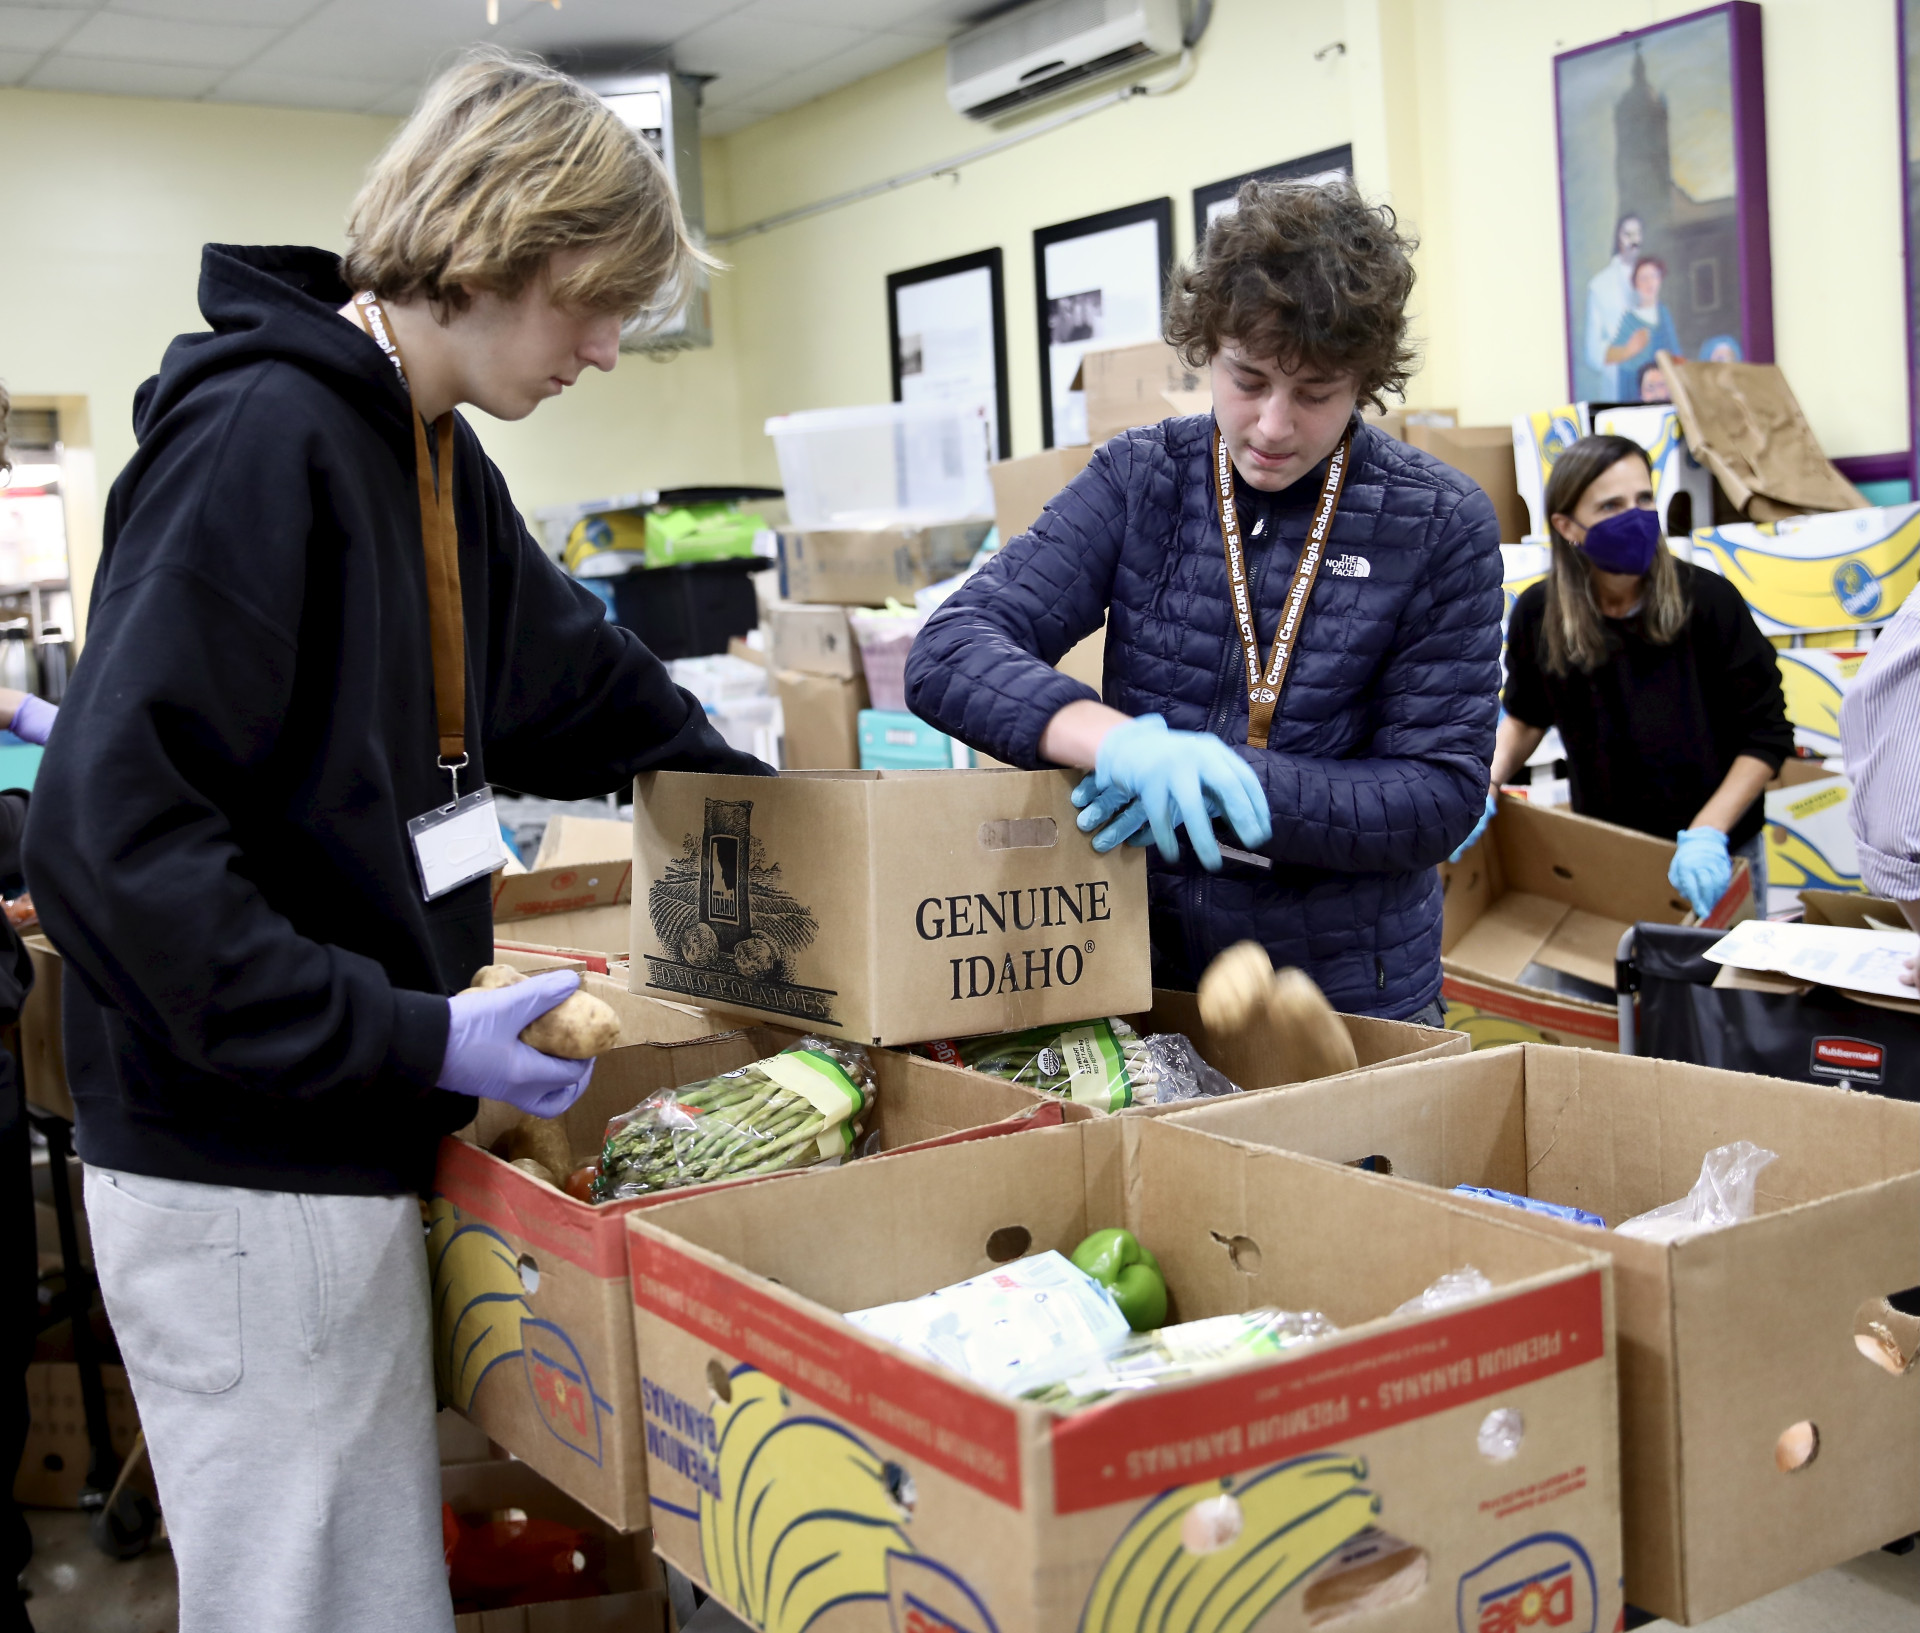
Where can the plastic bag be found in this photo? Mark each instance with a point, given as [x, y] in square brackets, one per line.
[1533, 1204]
[802, 1106]
[1180, 1351]
[1721, 1196]
[1100, 1063]
[1016, 1328]
[1455, 1287]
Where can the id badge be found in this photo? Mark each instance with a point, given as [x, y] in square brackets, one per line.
[458, 843]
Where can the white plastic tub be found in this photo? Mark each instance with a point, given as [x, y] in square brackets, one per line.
[885, 465]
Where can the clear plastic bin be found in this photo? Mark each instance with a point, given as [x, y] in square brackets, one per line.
[884, 640]
[885, 465]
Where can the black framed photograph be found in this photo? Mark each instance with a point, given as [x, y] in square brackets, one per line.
[1216, 198]
[1098, 281]
[947, 329]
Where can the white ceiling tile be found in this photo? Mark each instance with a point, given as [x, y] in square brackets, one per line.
[35, 28]
[154, 40]
[747, 40]
[868, 16]
[301, 90]
[397, 102]
[321, 47]
[14, 64]
[260, 13]
[108, 78]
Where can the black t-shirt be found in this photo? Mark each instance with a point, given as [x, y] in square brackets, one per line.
[1652, 732]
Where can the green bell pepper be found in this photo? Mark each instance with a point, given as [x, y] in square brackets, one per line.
[1116, 1260]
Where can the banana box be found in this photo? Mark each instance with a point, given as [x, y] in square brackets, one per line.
[888, 907]
[1768, 1430]
[1533, 915]
[1538, 440]
[1815, 681]
[1810, 842]
[1843, 570]
[1441, 1469]
[533, 1336]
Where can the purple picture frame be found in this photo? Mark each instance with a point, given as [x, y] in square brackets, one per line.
[1751, 226]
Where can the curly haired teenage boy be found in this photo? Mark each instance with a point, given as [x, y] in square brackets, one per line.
[1303, 623]
[318, 620]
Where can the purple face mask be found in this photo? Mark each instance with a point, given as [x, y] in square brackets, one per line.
[1623, 543]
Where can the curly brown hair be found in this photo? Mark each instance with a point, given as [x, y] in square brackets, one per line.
[1308, 274]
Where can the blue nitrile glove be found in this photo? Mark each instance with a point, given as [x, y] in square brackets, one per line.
[33, 720]
[1479, 828]
[486, 1057]
[1171, 774]
[1701, 869]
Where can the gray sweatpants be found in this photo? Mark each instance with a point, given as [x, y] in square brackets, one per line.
[279, 1351]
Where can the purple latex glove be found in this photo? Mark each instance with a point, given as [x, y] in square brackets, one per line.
[33, 720]
[486, 1057]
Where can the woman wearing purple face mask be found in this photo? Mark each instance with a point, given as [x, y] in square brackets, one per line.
[1666, 694]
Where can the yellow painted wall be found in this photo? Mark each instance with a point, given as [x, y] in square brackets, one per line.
[110, 199]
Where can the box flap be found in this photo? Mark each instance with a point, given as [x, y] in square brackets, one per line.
[574, 841]
[567, 889]
[1510, 935]
[1583, 944]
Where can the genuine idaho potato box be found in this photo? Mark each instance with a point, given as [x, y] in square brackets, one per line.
[533, 1336]
[1726, 1339]
[885, 907]
[811, 1476]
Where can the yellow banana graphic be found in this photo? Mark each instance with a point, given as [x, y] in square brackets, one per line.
[1293, 1516]
[1795, 864]
[1812, 693]
[758, 1404]
[478, 1301]
[1847, 587]
[1490, 1031]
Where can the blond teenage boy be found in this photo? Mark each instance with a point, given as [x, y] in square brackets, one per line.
[303, 650]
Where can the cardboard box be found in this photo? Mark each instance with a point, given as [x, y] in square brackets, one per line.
[43, 1056]
[1810, 841]
[887, 907]
[862, 569]
[1023, 487]
[894, 740]
[1128, 386]
[581, 907]
[1726, 1338]
[813, 640]
[1485, 453]
[822, 716]
[1394, 421]
[893, 1480]
[576, 841]
[1538, 440]
[636, 1600]
[1812, 574]
[533, 1338]
[1851, 912]
[1546, 894]
[53, 1464]
[1815, 681]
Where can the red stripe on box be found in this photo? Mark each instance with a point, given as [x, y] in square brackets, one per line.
[1142, 1444]
[903, 1401]
[597, 962]
[1557, 1017]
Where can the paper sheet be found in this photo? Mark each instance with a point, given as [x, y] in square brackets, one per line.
[1860, 960]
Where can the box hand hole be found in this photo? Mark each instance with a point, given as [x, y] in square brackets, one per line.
[1798, 1445]
[1243, 1252]
[1887, 1337]
[719, 1381]
[529, 1273]
[1562, 873]
[1211, 1524]
[1501, 1432]
[1019, 834]
[1009, 1242]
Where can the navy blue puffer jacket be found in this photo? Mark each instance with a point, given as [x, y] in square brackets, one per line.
[1382, 741]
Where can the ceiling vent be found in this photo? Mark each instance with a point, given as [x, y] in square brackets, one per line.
[1054, 46]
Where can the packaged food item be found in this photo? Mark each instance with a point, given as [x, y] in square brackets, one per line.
[1533, 1204]
[1455, 1287]
[803, 1106]
[1180, 1351]
[1721, 1196]
[1117, 1261]
[1019, 1327]
[1104, 1063]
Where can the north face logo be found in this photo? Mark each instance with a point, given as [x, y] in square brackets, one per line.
[1350, 567]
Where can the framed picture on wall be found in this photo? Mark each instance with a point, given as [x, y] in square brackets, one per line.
[1216, 199]
[947, 331]
[1663, 201]
[1909, 23]
[1099, 281]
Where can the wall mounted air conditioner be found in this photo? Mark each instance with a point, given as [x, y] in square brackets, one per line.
[1052, 46]
[664, 107]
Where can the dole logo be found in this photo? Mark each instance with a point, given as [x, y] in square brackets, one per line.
[1543, 1581]
[562, 1390]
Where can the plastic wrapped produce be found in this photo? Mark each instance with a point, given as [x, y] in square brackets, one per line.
[1105, 1063]
[1455, 1287]
[803, 1106]
[1721, 1196]
[1180, 1351]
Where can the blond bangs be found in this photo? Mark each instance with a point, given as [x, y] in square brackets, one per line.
[503, 164]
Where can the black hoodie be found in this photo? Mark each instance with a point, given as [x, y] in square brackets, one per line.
[218, 840]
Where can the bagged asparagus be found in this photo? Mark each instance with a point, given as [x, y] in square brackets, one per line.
[1104, 1063]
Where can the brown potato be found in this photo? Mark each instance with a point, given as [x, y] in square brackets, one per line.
[489, 976]
[527, 1165]
[1235, 988]
[580, 1027]
[1314, 1036]
[540, 1139]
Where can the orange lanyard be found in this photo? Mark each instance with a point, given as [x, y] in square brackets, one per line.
[1263, 687]
[439, 537]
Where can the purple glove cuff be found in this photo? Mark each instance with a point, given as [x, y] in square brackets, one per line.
[33, 720]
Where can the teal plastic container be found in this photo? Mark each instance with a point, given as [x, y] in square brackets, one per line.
[892, 740]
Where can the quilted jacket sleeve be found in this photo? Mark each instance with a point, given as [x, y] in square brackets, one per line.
[982, 668]
[1421, 784]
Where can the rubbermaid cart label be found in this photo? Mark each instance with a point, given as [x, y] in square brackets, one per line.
[1164, 1437]
[1853, 1060]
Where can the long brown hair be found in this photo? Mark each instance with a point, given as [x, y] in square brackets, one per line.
[1576, 634]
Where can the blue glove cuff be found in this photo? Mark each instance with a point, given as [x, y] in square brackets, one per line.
[1701, 836]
